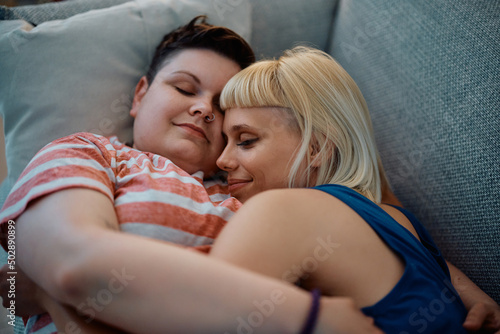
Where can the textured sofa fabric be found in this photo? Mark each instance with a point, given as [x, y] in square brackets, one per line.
[430, 71]
[278, 25]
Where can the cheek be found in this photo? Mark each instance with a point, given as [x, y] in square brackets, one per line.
[219, 144]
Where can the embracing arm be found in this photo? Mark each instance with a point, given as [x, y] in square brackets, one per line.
[484, 312]
[140, 284]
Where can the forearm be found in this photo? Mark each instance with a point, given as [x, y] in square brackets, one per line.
[67, 320]
[143, 285]
[469, 292]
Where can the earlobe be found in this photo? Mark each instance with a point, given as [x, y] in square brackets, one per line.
[315, 152]
[140, 91]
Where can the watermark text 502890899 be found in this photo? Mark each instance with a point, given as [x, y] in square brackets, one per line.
[11, 263]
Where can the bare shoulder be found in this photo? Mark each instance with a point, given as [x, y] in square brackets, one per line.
[294, 199]
[297, 208]
[400, 218]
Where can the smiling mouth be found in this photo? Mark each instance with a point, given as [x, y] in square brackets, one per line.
[193, 130]
[235, 185]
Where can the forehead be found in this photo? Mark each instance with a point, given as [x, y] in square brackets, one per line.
[258, 118]
[202, 61]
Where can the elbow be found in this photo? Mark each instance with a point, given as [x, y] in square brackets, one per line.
[75, 279]
[89, 273]
[67, 285]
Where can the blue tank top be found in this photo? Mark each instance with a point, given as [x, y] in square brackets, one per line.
[424, 300]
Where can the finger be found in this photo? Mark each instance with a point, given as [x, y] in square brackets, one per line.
[476, 317]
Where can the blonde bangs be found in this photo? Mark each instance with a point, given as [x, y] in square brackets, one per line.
[255, 86]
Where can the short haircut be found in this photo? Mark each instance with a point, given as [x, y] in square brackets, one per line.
[198, 34]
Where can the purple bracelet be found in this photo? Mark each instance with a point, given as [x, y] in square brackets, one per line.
[312, 318]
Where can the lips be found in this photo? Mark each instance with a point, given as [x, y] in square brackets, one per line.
[193, 129]
[236, 184]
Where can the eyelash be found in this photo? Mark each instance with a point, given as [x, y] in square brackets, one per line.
[186, 93]
[248, 142]
[183, 92]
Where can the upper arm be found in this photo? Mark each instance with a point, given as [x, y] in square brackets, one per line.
[54, 232]
[271, 234]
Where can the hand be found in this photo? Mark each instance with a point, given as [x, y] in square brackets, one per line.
[484, 316]
[340, 315]
[26, 293]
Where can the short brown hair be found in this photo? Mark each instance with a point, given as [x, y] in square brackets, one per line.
[201, 35]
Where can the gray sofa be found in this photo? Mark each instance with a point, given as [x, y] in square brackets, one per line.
[430, 72]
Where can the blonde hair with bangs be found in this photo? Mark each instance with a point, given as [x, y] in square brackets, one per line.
[326, 105]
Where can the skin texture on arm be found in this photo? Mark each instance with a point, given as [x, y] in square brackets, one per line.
[32, 300]
[484, 312]
[80, 261]
[67, 320]
[252, 235]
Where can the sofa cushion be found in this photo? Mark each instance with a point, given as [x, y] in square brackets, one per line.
[430, 74]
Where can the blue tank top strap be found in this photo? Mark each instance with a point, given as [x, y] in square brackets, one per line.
[394, 234]
[425, 238]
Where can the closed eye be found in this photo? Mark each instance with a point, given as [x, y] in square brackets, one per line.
[183, 92]
[247, 142]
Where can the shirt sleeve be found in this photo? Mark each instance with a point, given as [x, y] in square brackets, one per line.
[82, 160]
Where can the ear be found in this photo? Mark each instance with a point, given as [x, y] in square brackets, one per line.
[315, 152]
[140, 91]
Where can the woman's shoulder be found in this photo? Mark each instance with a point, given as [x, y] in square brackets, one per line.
[299, 196]
[297, 204]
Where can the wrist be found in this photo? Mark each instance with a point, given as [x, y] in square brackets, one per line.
[309, 325]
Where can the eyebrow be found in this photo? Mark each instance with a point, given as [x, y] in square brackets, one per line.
[195, 78]
[238, 127]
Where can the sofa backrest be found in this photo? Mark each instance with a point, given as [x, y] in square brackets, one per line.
[430, 72]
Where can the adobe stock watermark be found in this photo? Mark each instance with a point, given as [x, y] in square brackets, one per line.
[120, 111]
[363, 35]
[321, 253]
[92, 305]
[421, 318]
[265, 308]
[224, 6]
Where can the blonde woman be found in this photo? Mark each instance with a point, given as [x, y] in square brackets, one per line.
[300, 122]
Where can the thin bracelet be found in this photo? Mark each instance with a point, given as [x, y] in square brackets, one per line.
[312, 318]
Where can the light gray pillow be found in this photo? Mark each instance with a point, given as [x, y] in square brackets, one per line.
[79, 74]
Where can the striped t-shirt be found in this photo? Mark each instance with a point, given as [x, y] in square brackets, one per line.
[152, 196]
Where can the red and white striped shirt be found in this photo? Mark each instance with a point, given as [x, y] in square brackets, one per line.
[152, 196]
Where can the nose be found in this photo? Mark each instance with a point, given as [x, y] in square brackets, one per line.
[202, 107]
[226, 160]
